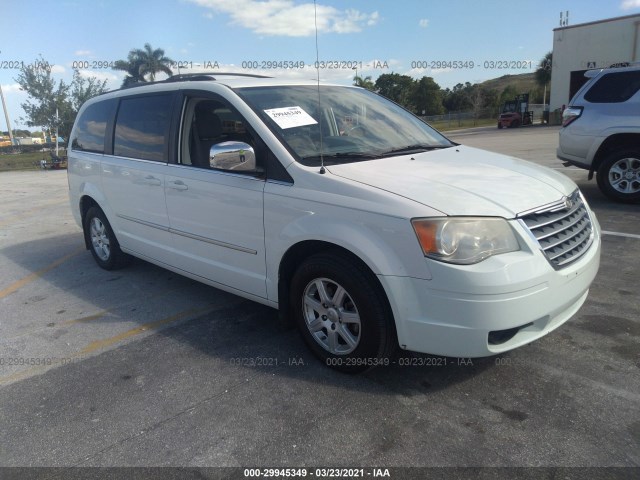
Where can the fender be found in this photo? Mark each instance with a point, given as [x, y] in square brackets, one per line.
[598, 142]
[378, 248]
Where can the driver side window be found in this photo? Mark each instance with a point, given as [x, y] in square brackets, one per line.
[214, 136]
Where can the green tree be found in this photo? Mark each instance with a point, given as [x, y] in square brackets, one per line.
[364, 82]
[143, 63]
[52, 103]
[458, 99]
[396, 87]
[427, 97]
[508, 93]
[132, 67]
[491, 101]
[543, 72]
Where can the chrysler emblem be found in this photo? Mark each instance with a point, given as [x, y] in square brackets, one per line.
[568, 203]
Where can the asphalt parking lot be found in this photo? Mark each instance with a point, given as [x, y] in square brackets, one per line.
[143, 367]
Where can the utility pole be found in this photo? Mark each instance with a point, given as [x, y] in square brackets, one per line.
[6, 116]
[57, 122]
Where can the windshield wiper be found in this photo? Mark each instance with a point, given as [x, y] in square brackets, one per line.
[419, 147]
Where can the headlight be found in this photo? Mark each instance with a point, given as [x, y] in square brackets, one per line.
[464, 240]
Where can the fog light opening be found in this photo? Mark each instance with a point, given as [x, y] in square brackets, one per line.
[498, 337]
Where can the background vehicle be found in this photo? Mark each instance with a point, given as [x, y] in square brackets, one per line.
[516, 112]
[601, 131]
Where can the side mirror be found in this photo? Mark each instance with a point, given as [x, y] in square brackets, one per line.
[238, 156]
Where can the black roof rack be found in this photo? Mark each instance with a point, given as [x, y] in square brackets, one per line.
[185, 77]
[189, 77]
[624, 64]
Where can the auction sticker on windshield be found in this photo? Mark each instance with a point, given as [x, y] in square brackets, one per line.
[290, 117]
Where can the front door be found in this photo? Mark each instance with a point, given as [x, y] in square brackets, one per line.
[216, 215]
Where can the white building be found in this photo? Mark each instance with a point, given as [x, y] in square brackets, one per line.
[578, 48]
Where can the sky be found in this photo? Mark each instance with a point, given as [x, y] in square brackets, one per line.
[367, 37]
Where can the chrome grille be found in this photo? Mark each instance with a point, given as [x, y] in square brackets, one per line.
[563, 230]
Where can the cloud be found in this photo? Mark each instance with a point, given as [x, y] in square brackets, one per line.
[11, 88]
[286, 18]
[114, 80]
[100, 75]
[57, 69]
[424, 22]
[82, 53]
[630, 4]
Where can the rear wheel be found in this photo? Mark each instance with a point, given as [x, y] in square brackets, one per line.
[342, 313]
[619, 176]
[102, 241]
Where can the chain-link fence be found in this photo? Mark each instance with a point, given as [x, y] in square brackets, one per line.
[484, 116]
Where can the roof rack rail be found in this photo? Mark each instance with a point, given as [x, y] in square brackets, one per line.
[184, 77]
[624, 64]
[188, 77]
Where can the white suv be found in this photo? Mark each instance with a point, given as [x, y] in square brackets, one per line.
[351, 216]
[601, 131]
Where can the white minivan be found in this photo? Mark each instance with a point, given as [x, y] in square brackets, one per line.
[358, 221]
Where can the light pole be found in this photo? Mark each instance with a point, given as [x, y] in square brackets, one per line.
[6, 116]
[57, 122]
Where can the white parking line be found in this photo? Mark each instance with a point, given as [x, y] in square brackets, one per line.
[619, 234]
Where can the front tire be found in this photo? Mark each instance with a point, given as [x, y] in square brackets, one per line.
[102, 241]
[619, 176]
[342, 313]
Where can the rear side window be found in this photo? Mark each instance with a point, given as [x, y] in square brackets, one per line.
[614, 88]
[89, 133]
[142, 127]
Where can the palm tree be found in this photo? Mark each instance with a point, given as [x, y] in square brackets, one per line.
[364, 82]
[543, 73]
[153, 61]
[132, 66]
[144, 62]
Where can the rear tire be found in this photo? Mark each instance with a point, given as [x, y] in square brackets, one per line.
[619, 176]
[342, 313]
[102, 241]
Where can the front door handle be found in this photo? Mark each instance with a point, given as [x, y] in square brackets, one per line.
[178, 185]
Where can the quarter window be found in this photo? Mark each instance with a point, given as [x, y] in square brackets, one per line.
[141, 127]
[614, 88]
[91, 127]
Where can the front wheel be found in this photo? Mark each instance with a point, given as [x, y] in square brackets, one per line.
[342, 313]
[102, 241]
[619, 176]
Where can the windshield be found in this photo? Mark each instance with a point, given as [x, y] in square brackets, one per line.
[356, 124]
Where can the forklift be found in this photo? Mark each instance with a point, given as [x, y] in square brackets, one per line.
[516, 112]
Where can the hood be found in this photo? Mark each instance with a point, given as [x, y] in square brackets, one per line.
[463, 181]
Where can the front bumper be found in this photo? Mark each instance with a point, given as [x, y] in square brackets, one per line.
[517, 296]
